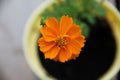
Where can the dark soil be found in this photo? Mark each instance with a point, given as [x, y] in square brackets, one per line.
[95, 59]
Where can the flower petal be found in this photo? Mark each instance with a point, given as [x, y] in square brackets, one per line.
[64, 55]
[53, 24]
[45, 46]
[48, 33]
[52, 53]
[74, 56]
[74, 31]
[56, 58]
[81, 40]
[65, 24]
[74, 46]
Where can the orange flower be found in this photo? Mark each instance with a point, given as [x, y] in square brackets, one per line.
[61, 42]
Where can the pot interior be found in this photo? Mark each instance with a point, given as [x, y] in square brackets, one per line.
[95, 59]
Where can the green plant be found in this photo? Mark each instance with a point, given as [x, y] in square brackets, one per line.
[81, 11]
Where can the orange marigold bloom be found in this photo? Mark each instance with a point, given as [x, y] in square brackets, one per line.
[61, 41]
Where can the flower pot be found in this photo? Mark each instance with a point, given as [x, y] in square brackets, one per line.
[31, 36]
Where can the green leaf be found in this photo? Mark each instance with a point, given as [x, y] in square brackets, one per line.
[101, 11]
[91, 19]
[85, 29]
[42, 21]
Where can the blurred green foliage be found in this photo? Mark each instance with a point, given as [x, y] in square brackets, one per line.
[81, 11]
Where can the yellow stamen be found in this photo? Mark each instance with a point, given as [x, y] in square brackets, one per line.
[61, 42]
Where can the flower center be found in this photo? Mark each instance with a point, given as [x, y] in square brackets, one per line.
[61, 42]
